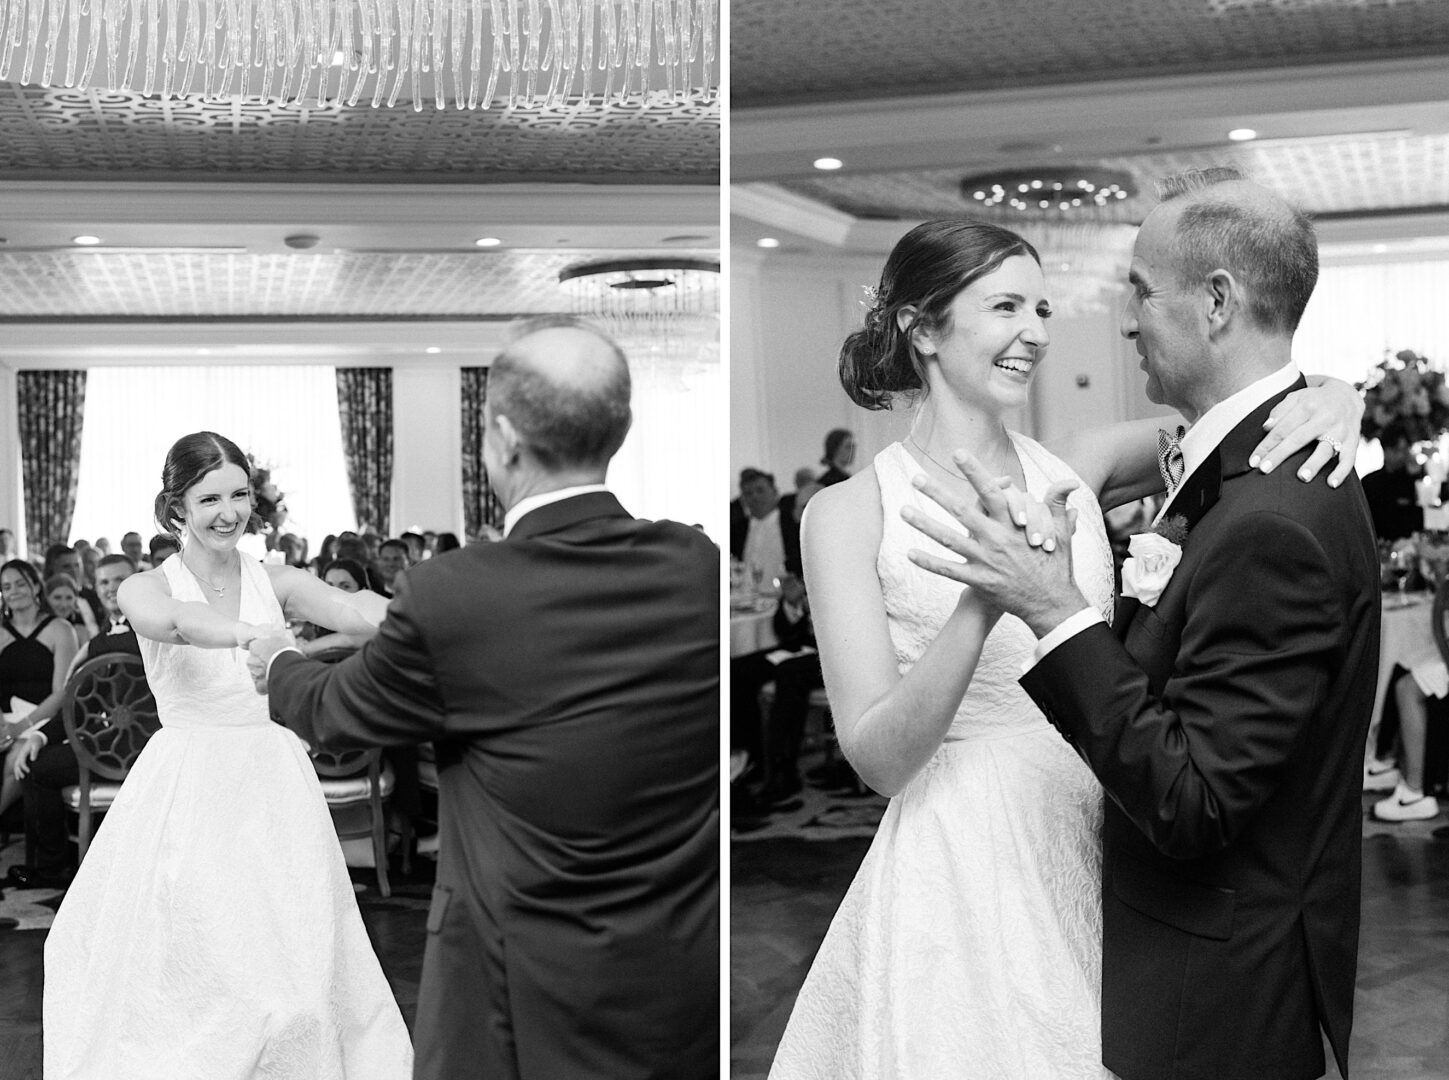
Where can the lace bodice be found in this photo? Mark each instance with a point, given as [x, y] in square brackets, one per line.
[210, 687]
[918, 603]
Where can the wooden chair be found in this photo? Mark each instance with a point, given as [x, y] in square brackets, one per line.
[355, 784]
[110, 715]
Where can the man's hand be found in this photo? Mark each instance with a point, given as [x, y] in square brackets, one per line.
[260, 650]
[1000, 562]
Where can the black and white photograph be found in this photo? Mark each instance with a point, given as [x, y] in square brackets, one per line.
[1088, 443]
[361, 395]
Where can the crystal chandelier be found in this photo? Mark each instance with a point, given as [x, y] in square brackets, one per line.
[1055, 190]
[1084, 263]
[518, 52]
[664, 312]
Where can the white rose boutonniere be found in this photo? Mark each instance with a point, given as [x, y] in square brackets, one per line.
[1151, 559]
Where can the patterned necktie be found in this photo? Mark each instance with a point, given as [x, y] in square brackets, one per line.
[1169, 457]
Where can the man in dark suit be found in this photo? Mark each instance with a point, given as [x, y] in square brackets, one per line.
[52, 765]
[568, 676]
[1226, 715]
[760, 506]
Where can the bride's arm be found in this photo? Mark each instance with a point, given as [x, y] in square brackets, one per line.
[303, 596]
[889, 726]
[153, 612]
[1119, 461]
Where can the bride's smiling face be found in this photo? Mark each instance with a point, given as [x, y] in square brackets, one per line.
[994, 337]
[218, 507]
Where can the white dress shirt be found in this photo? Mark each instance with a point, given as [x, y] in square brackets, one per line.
[533, 502]
[1202, 439]
[765, 546]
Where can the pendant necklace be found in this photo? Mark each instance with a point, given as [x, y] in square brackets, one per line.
[220, 590]
[932, 458]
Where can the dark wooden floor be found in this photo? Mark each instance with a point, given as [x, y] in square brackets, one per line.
[397, 927]
[784, 892]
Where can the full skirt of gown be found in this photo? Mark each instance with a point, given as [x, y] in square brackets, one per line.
[212, 932]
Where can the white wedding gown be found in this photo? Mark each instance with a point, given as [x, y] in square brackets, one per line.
[212, 932]
[969, 944]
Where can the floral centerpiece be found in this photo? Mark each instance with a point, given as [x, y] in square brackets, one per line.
[1405, 397]
[271, 506]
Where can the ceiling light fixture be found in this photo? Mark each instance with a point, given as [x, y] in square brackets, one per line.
[85, 241]
[1054, 190]
[283, 50]
[1242, 134]
[767, 242]
[828, 164]
[664, 312]
[487, 241]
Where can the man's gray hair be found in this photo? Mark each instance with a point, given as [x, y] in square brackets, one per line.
[565, 424]
[1266, 244]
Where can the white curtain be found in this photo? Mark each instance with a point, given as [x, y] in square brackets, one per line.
[677, 446]
[286, 417]
[1358, 313]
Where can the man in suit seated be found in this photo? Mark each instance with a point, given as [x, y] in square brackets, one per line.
[51, 764]
[764, 529]
[794, 667]
[568, 677]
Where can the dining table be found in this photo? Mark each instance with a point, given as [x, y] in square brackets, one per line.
[752, 623]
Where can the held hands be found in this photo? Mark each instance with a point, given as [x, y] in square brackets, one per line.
[1016, 552]
[261, 648]
[27, 746]
[1328, 412]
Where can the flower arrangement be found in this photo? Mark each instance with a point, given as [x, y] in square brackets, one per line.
[271, 507]
[1405, 396]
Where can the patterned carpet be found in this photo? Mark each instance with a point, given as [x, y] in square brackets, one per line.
[32, 909]
[817, 813]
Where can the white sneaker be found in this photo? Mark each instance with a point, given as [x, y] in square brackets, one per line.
[1380, 775]
[1406, 805]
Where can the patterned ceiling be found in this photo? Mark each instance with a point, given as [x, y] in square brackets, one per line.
[85, 134]
[916, 95]
[831, 50]
[483, 285]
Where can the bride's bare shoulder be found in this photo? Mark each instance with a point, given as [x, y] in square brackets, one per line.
[848, 511]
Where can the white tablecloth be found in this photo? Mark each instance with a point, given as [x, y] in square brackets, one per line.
[1405, 640]
[753, 630]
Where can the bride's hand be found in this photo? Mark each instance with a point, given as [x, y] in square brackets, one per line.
[1329, 412]
[1034, 517]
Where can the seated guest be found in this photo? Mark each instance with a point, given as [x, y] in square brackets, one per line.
[49, 760]
[764, 531]
[131, 548]
[162, 548]
[60, 559]
[1392, 500]
[36, 649]
[1412, 690]
[794, 677]
[446, 542]
[839, 453]
[103, 546]
[805, 488]
[65, 602]
[416, 546]
[293, 549]
[392, 560]
[8, 548]
[90, 559]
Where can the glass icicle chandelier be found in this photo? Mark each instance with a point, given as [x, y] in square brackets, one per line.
[663, 312]
[517, 52]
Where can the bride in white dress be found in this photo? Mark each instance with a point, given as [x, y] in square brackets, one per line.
[969, 943]
[212, 932]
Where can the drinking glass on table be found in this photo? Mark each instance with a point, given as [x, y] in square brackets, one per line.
[1398, 564]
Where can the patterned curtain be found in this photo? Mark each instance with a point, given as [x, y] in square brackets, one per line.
[52, 412]
[364, 403]
[480, 506]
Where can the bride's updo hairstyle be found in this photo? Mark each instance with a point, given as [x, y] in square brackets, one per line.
[926, 269]
[190, 458]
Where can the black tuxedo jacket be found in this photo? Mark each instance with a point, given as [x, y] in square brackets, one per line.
[1227, 726]
[789, 532]
[569, 677]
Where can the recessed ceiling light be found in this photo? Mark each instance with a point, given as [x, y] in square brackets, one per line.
[203, 352]
[767, 242]
[1242, 134]
[85, 240]
[432, 349]
[829, 163]
[488, 241]
[1379, 249]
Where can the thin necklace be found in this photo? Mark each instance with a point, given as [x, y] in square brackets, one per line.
[932, 457]
[220, 590]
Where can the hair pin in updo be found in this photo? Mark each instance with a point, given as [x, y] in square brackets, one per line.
[872, 296]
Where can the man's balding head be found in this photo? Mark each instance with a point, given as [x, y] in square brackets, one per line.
[564, 386]
[1222, 220]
